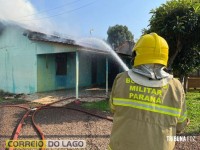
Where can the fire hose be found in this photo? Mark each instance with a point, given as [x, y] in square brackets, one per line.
[18, 128]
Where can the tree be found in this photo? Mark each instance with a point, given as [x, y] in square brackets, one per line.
[118, 34]
[179, 23]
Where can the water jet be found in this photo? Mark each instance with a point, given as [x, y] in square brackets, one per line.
[101, 45]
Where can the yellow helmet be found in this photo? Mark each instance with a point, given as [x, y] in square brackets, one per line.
[151, 49]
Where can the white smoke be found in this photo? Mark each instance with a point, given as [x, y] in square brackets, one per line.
[23, 13]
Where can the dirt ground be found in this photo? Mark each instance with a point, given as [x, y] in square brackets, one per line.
[58, 124]
[64, 124]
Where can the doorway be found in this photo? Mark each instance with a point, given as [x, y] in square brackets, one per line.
[61, 70]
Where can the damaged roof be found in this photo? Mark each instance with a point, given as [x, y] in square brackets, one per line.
[37, 36]
[94, 45]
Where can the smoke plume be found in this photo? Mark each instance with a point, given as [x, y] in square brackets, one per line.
[23, 13]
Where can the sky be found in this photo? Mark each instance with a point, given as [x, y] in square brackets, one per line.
[80, 18]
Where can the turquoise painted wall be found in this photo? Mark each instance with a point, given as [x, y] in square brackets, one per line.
[53, 48]
[101, 70]
[47, 79]
[46, 72]
[71, 70]
[85, 69]
[29, 66]
[17, 62]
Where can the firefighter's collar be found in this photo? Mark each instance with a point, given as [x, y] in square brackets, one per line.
[146, 81]
[152, 71]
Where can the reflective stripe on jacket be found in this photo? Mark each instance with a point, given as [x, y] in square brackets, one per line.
[145, 116]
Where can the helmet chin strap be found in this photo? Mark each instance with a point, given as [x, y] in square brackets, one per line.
[151, 75]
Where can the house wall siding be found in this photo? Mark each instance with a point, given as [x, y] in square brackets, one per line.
[53, 48]
[71, 70]
[46, 70]
[28, 66]
[45, 73]
[85, 75]
[101, 71]
[17, 62]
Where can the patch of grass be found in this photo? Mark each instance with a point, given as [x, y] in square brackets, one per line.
[100, 105]
[192, 102]
[1, 100]
[193, 108]
[10, 98]
[12, 101]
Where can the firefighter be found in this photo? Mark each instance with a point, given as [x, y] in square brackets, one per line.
[147, 102]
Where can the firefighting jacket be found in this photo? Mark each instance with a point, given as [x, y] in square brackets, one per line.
[145, 117]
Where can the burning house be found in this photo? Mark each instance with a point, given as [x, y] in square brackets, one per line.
[35, 62]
